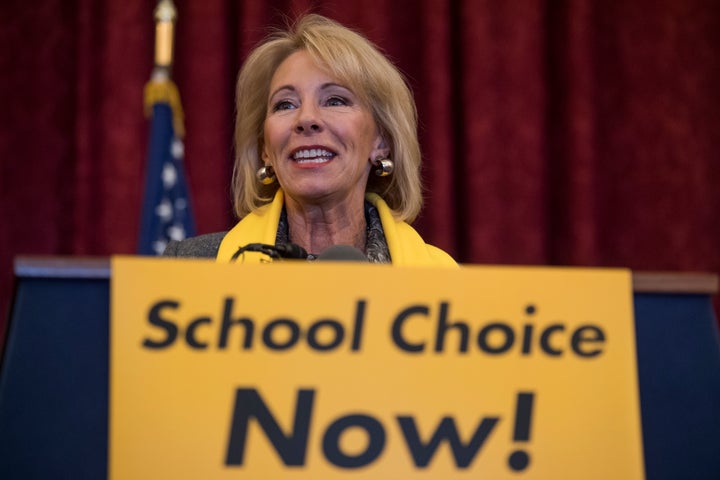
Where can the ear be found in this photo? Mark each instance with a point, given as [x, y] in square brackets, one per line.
[264, 157]
[381, 148]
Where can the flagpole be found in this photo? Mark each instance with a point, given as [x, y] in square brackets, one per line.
[165, 17]
[161, 87]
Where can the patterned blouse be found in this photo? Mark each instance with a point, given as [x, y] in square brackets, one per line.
[376, 248]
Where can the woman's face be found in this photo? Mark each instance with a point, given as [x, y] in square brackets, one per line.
[318, 136]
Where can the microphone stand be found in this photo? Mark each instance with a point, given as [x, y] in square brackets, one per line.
[276, 252]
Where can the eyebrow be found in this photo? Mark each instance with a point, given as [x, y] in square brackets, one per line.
[324, 86]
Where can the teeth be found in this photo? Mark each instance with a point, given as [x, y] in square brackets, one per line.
[313, 160]
[314, 153]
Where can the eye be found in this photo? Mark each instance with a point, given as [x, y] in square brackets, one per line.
[282, 105]
[337, 101]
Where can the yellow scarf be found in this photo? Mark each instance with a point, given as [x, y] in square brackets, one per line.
[406, 246]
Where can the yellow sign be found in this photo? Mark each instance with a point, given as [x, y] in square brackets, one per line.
[314, 371]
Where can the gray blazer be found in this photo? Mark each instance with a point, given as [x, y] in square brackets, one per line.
[202, 246]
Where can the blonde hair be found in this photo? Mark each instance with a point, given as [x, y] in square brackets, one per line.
[353, 60]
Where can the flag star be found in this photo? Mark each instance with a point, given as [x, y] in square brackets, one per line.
[169, 176]
[164, 210]
[177, 149]
[176, 232]
[159, 246]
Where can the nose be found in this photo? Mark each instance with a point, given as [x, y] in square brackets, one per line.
[308, 120]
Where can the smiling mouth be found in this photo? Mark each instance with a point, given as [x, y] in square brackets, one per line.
[312, 156]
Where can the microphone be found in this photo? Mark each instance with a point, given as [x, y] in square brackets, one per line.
[282, 250]
[342, 253]
[291, 250]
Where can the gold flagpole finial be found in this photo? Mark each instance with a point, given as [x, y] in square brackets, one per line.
[161, 88]
[165, 17]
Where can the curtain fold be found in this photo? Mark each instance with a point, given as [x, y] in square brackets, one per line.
[578, 132]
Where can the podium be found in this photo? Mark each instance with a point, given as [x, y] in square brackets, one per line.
[54, 376]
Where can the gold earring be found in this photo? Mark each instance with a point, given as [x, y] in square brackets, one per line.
[384, 166]
[266, 174]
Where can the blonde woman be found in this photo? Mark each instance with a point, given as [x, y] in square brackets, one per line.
[326, 152]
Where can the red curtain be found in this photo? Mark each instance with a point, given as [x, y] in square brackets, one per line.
[571, 132]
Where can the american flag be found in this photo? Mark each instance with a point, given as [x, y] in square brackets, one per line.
[166, 212]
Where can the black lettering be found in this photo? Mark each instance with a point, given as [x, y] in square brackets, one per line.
[520, 459]
[154, 318]
[463, 453]
[527, 339]
[338, 335]
[291, 448]
[271, 343]
[190, 333]
[444, 326]
[357, 331]
[596, 335]
[228, 322]
[503, 347]
[545, 339]
[528, 330]
[331, 441]
[398, 324]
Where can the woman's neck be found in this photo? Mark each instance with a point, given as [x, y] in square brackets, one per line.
[317, 227]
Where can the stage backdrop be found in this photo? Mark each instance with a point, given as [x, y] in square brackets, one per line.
[578, 132]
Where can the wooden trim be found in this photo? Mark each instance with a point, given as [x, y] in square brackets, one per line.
[666, 282]
[99, 267]
[62, 267]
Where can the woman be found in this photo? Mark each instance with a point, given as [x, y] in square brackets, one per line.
[326, 152]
